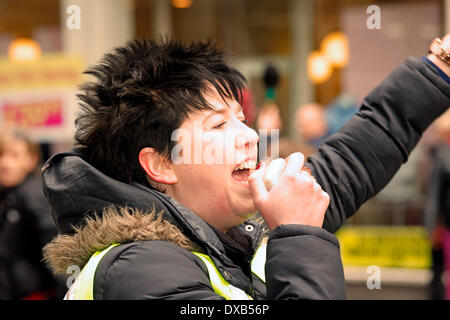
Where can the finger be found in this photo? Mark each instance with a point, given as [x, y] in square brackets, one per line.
[273, 172]
[316, 186]
[324, 200]
[326, 197]
[256, 182]
[294, 163]
[306, 177]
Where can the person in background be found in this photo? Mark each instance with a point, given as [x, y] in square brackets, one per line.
[268, 121]
[437, 208]
[311, 124]
[339, 111]
[26, 223]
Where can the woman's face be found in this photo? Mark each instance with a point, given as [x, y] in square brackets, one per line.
[16, 162]
[215, 154]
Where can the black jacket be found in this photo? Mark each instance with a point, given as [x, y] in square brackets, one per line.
[25, 227]
[302, 261]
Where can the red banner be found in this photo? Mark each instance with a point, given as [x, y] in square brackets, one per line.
[33, 114]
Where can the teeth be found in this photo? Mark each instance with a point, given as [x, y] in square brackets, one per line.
[250, 164]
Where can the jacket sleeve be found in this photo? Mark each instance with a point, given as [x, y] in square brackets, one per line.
[304, 262]
[354, 164]
[152, 270]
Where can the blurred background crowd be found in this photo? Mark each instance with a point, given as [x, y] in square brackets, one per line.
[309, 65]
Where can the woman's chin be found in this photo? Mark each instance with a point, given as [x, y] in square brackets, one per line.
[248, 212]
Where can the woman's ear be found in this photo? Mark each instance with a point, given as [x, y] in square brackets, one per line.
[157, 167]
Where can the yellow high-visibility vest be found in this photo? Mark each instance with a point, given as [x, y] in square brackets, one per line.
[83, 286]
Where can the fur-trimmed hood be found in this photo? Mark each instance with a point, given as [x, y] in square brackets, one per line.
[98, 232]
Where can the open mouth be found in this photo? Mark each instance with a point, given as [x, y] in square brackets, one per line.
[243, 171]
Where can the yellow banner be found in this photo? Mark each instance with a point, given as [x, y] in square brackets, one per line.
[54, 70]
[385, 246]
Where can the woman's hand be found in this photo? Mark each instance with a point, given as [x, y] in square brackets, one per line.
[296, 199]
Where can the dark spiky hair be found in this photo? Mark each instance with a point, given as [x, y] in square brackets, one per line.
[144, 91]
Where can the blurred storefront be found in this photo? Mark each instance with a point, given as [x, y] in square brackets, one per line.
[40, 95]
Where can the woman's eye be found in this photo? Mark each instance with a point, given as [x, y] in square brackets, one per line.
[220, 125]
[223, 123]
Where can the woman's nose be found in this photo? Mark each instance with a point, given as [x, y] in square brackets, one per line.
[247, 137]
